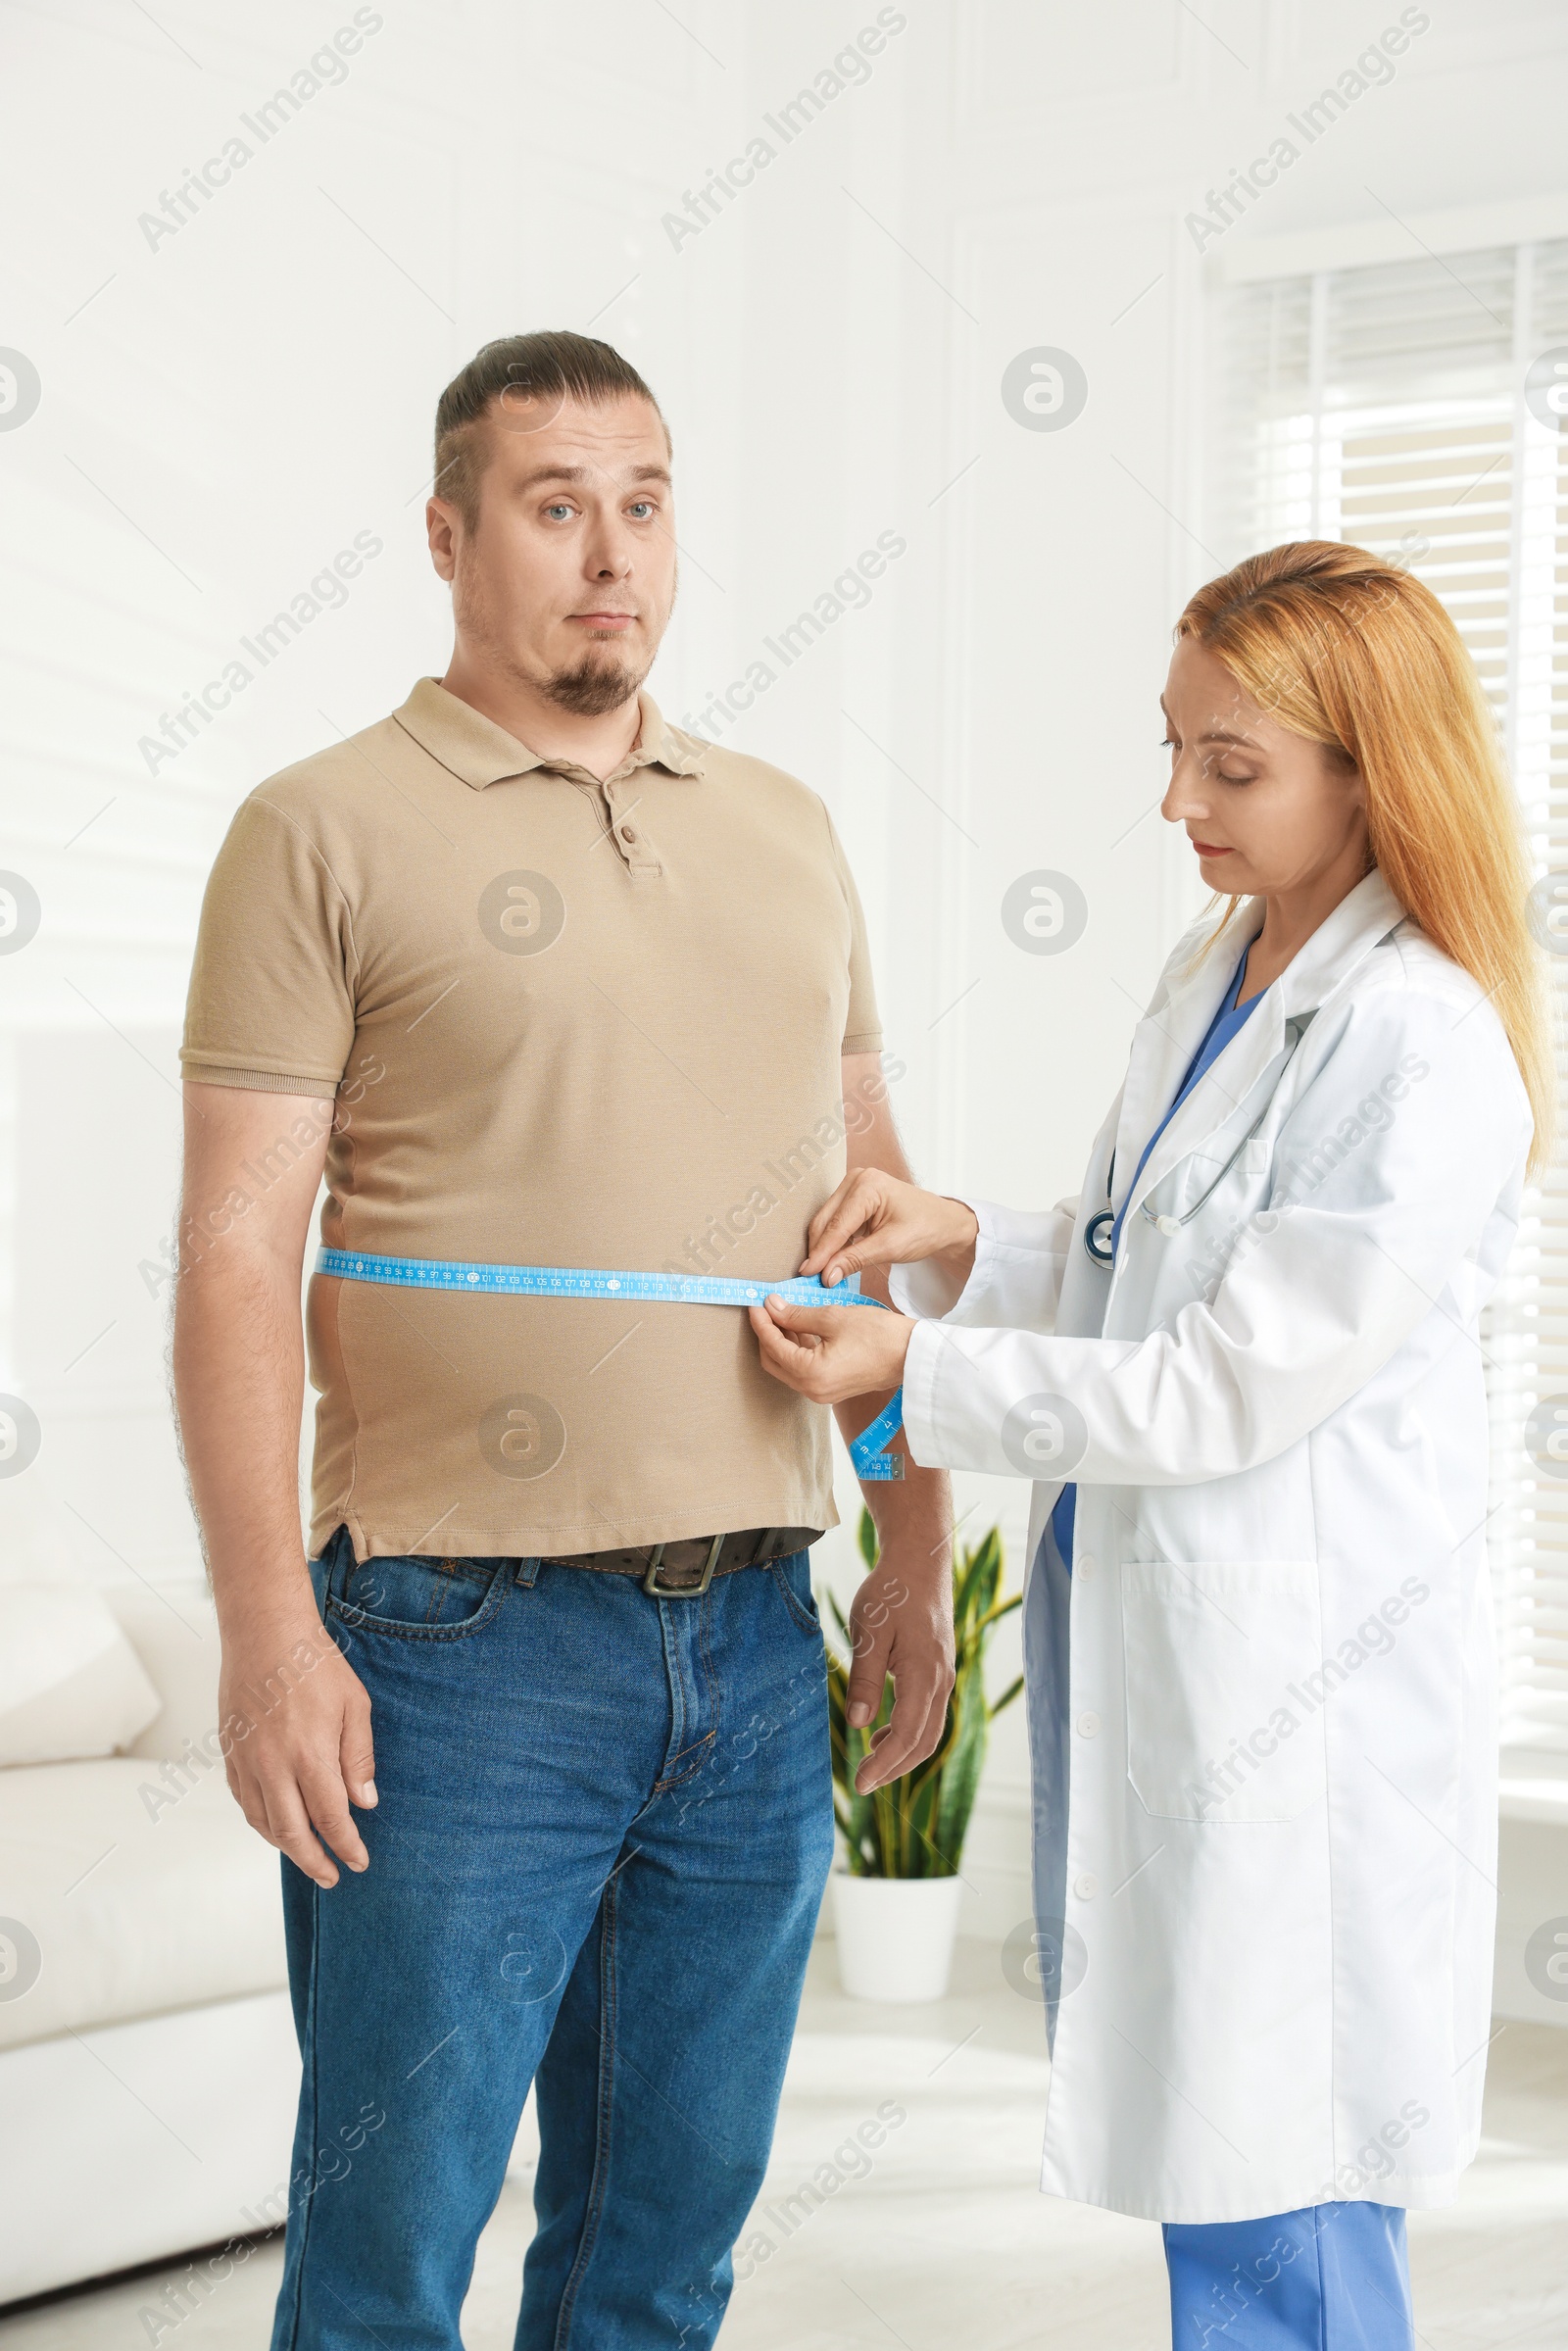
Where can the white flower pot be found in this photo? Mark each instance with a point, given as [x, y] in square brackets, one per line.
[895, 1935]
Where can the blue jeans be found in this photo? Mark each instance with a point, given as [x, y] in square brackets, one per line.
[604, 1828]
[1328, 2277]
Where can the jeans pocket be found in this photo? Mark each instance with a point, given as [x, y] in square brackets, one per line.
[1218, 1658]
[421, 1599]
[793, 1576]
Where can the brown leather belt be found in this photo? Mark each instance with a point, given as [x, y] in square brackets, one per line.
[683, 1570]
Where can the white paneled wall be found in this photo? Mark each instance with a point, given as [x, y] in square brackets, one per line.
[226, 406]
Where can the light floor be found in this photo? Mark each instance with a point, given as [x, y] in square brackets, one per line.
[944, 2244]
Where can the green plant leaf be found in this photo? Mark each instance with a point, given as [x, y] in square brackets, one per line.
[960, 1778]
[989, 1577]
[1001, 1609]
[963, 1587]
[915, 1826]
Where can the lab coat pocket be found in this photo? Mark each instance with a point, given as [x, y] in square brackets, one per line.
[1218, 1660]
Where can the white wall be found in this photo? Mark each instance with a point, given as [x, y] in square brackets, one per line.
[221, 413]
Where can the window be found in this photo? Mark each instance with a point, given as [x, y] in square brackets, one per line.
[1386, 406]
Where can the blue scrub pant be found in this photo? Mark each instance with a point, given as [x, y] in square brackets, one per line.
[1329, 2277]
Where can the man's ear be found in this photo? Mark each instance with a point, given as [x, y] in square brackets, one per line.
[442, 523]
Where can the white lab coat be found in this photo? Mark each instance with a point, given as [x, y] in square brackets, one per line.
[1264, 1729]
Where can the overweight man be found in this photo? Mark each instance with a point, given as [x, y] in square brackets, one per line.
[538, 1719]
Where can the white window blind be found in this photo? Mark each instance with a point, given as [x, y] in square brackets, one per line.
[1386, 407]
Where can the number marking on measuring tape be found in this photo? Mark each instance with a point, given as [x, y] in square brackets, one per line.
[871, 1461]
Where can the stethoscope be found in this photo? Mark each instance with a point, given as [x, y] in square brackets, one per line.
[1097, 1246]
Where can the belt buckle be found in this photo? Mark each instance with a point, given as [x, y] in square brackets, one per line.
[681, 1591]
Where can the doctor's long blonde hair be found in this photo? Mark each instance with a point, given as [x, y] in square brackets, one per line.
[1351, 651]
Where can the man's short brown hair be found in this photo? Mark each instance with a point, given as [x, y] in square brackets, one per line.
[531, 375]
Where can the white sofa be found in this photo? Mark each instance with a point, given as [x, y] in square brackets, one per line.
[148, 2066]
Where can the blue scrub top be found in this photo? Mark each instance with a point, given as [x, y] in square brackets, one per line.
[1229, 1017]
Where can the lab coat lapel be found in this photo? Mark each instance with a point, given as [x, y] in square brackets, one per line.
[1166, 1039]
[1338, 945]
[1217, 1093]
[1329, 958]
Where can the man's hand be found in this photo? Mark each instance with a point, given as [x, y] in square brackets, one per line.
[296, 1741]
[901, 1624]
[902, 1617]
[830, 1353]
[874, 1218]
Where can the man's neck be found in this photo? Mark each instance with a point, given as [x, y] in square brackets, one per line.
[599, 744]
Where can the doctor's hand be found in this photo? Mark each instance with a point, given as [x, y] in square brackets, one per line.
[874, 1219]
[832, 1352]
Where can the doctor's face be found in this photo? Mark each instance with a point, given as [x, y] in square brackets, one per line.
[1266, 812]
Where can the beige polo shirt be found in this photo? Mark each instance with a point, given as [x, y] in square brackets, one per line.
[566, 1023]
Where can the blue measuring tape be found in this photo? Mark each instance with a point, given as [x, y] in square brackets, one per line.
[872, 1462]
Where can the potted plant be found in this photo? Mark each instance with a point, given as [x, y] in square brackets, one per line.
[896, 1898]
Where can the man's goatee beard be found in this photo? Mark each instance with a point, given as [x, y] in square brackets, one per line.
[593, 687]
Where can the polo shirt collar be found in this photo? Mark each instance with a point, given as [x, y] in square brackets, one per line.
[660, 745]
[478, 753]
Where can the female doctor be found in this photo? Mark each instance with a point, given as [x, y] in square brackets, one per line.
[1244, 1369]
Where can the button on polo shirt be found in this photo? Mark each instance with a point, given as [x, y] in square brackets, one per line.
[567, 1022]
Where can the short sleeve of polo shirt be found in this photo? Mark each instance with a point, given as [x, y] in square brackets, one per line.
[272, 991]
[862, 1032]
